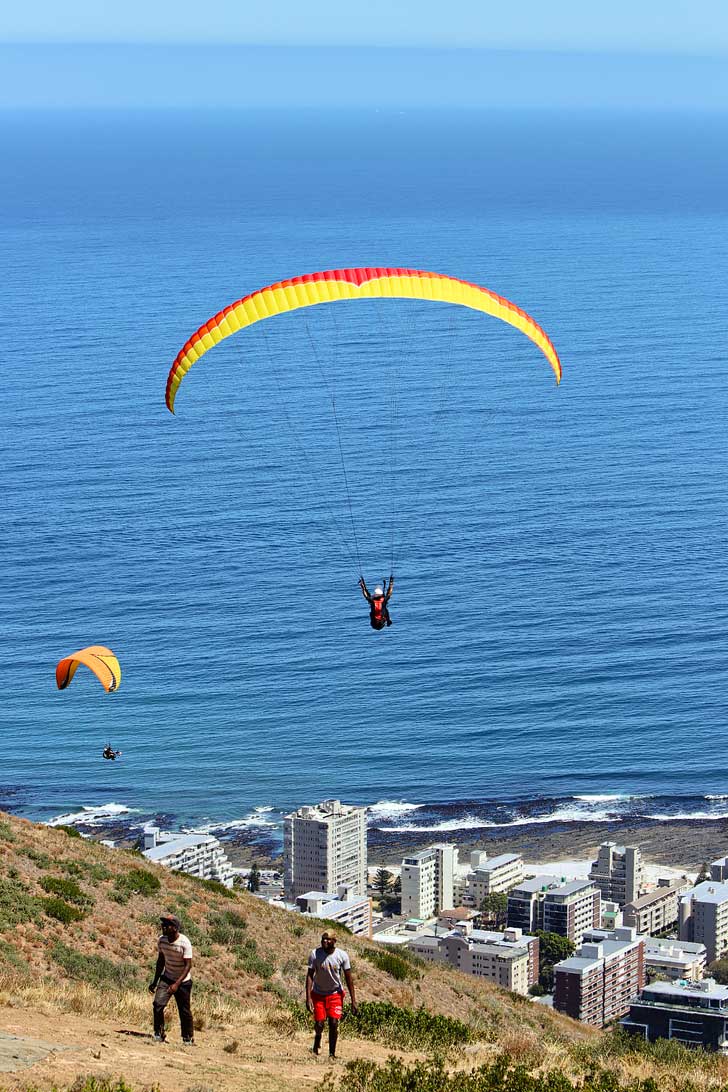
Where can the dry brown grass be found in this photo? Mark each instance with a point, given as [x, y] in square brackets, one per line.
[231, 1003]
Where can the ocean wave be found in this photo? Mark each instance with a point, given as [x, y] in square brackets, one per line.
[255, 819]
[693, 816]
[91, 815]
[390, 809]
[468, 822]
[601, 798]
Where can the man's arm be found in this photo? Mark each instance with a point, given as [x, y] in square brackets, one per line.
[157, 973]
[364, 590]
[309, 986]
[391, 585]
[352, 992]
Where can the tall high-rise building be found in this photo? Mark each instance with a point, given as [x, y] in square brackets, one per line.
[618, 872]
[704, 917]
[427, 881]
[325, 846]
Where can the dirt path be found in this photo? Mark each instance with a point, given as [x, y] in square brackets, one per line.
[263, 1061]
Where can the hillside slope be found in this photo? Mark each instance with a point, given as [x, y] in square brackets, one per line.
[81, 984]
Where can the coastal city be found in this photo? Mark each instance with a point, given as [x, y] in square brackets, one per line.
[620, 944]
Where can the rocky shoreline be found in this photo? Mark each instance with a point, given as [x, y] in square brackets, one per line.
[678, 843]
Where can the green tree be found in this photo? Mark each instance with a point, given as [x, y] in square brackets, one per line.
[254, 878]
[704, 873]
[494, 909]
[382, 881]
[397, 886]
[718, 970]
[552, 948]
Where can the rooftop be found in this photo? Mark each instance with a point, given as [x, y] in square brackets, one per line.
[178, 844]
[651, 897]
[498, 862]
[709, 891]
[536, 883]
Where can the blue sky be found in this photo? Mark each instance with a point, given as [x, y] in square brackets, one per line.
[680, 26]
[375, 53]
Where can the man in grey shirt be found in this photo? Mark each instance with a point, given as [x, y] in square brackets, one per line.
[324, 989]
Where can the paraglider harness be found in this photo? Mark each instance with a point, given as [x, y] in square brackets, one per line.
[378, 609]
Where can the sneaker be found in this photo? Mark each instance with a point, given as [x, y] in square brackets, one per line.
[160, 1038]
[188, 1042]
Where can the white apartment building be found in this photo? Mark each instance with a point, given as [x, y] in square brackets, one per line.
[351, 910]
[618, 872]
[509, 959]
[703, 914]
[676, 960]
[199, 855]
[489, 877]
[325, 846]
[656, 911]
[719, 870]
[427, 881]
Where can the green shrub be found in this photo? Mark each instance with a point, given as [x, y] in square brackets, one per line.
[94, 969]
[227, 927]
[136, 882]
[248, 959]
[6, 831]
[210, 885]
[62, 911]
[407, 1028]
[66, 889]
[42, 860]
[94, 873]
[70, 831]
[17, 905]
[502, 1075]
[12, 962]
[392, 963]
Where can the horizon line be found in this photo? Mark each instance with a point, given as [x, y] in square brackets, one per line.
[584, 50]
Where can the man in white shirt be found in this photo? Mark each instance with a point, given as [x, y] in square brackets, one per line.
[324, 989]
[173, 978]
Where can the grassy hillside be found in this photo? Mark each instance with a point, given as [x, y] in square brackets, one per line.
[78, 929]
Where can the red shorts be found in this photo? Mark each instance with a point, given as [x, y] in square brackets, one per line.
[327, 1004]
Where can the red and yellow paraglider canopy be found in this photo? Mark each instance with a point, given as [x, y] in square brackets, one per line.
[97, 658]
[334, 285]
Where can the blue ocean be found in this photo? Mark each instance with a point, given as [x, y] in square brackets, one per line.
[560, 637]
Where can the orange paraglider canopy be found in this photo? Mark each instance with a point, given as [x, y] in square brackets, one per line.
[99, 659]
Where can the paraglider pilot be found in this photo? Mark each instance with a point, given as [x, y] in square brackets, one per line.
[378, 609]
[109, 752]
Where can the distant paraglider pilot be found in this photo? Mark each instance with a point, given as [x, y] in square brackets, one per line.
[109, 753]
[378, 600]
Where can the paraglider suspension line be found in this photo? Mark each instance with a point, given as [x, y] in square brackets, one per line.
[332, 398]
[301, 448]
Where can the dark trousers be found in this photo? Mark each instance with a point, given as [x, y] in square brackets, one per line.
[182, 997]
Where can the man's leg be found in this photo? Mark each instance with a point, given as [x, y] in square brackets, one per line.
[183, 997]
[161, 999]
[333, 1036]
[318, 1032]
